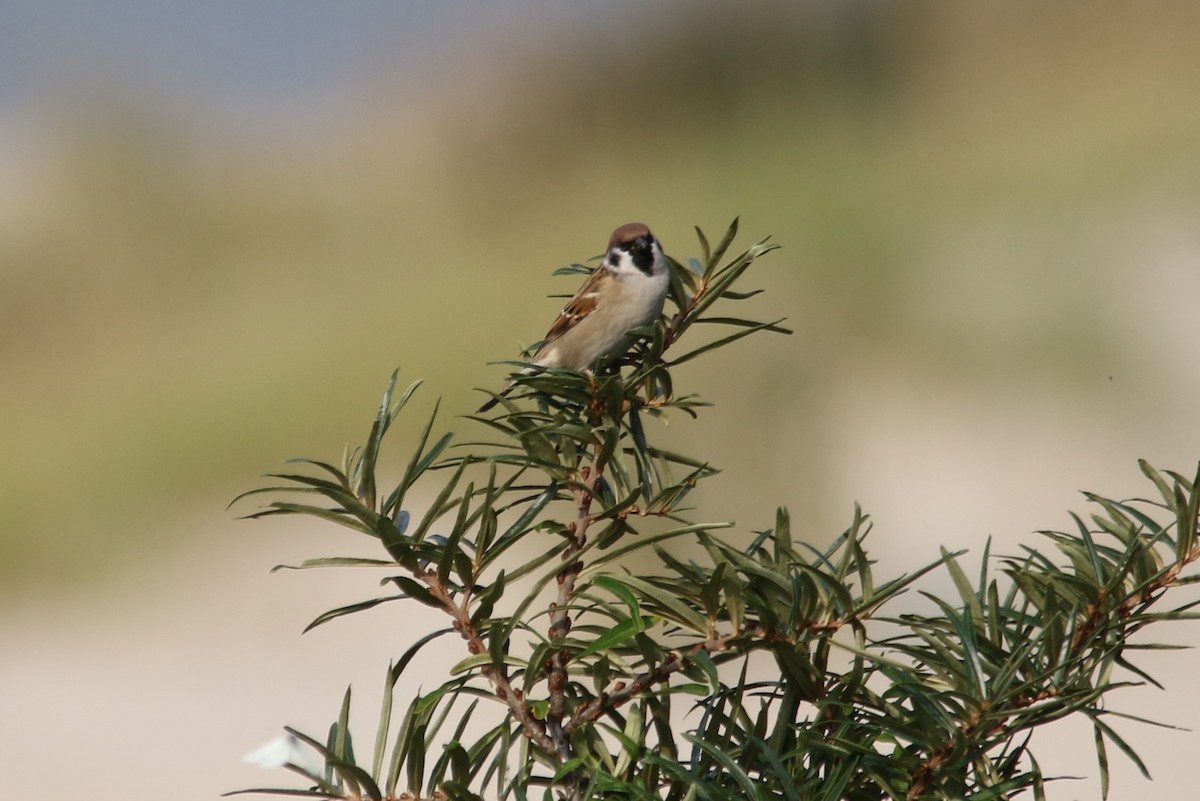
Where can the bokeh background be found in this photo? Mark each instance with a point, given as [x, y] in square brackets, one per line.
[222, 225]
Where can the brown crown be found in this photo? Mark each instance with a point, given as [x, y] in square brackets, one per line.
[627, 233]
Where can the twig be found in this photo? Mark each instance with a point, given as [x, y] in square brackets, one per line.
[625, 692]
[560, 620]
[496, 674]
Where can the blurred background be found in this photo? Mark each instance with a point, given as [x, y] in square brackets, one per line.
[223, 225]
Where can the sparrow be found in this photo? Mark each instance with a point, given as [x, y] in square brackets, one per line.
[625, 292]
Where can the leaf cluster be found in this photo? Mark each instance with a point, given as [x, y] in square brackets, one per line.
[598, 662]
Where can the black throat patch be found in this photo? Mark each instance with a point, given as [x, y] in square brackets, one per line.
[641, 252]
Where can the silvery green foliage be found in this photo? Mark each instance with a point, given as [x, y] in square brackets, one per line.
[583, 648]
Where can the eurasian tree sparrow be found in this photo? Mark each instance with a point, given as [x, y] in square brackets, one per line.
[625, 292]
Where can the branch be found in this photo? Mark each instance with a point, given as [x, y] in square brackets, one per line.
[1089, 648]
[624, 692]
[560, 621]
[495, 673]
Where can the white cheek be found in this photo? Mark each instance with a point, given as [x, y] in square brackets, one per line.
[627, 269]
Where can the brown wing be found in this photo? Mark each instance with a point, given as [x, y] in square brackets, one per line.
[578, 307]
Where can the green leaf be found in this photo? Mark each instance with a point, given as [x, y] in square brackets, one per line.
[712, 260]
[681, 284]
[621, 506]
[359, 778]
[331, 515]
[703, 659]
[393, 675]
[667, 604]
[726, 340]
[1105, 732]
[417, 464]
[281, 791]
[614, 636]
[348, 610]
[485, 601]
[743, 323]
[705, 250]
[451, 548]
[385, 718]
[963, 584]
[614, 585]
[340, 740]
[520, 526]
[647, 540]
[439, 506]
[1101, 758]
[415, 764]
[365, 467]
[750, 788]
[336, 561]
[469, 663]
[416, 590]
